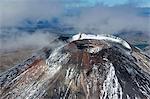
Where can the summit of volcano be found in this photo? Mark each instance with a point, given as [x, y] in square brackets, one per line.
[86, 67]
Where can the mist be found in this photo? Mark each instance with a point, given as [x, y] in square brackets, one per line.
[97, 18]
[36, 41]
[102, 19]
[13, 12]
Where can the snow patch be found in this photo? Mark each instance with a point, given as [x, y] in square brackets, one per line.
[111, 87]
[56, 60]
[94, 50]
[82, 36]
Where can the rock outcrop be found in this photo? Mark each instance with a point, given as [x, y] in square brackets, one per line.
[80, 69]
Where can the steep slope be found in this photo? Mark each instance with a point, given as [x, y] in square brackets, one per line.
[88, 67]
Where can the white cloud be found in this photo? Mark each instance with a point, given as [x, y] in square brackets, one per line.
[26, 40]
[14, 11]
[102, 19]
[97, 19]
[140, 3]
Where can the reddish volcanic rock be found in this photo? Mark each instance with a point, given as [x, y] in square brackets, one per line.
[81, 69]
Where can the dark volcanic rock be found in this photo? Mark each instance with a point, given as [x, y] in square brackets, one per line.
[81, 69]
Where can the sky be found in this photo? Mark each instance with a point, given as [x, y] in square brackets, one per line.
[15, 11]
[98, 16]
[139, 3]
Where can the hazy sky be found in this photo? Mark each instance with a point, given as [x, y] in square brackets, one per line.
[139, 3]
[98, 16]
[15, 11]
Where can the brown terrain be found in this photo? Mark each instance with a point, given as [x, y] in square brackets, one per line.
[8, 59]
[75, 71]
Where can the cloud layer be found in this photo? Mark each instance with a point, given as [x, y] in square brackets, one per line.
[13, 12]
[91, 17]
[98, 18]
[102, 19]
[36, 40]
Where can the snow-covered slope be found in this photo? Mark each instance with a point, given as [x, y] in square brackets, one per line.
[88, 67]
